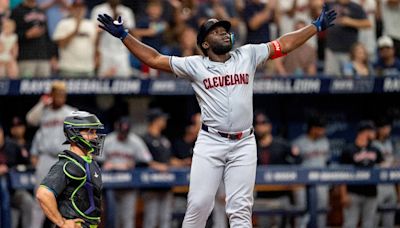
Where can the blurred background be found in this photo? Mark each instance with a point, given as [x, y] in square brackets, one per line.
[340, 88]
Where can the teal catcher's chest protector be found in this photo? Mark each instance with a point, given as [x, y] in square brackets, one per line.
[82, 196]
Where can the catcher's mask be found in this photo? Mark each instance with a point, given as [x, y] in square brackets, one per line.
[209, 25]
[78, 121]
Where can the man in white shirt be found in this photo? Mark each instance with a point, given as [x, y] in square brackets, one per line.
[114, 57]
[76, 39]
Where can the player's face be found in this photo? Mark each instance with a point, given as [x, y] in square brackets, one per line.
[318, 132]
[384, 131]
[162, 122]
[219, 41]
[18, 131]
[262, 128]
[59, 98]
[89, 134]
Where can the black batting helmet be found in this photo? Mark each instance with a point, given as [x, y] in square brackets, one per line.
[79, 120]
[207, 26]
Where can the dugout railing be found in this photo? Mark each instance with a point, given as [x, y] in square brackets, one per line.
[271, 175]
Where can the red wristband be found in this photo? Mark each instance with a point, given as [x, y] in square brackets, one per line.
[277, 50]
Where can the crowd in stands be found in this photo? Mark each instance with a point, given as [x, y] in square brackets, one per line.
[60, 38]
[126, 149]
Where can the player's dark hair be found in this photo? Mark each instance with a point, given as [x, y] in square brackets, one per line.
[315, 121]
[383, 121]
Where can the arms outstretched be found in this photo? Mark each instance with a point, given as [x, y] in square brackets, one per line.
[143, 52]
[154, 59]
[293, 40]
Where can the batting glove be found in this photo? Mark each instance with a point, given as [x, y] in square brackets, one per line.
[114, 27]
[325, 19]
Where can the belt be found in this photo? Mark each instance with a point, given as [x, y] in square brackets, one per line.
[90, 226]
[235, 136]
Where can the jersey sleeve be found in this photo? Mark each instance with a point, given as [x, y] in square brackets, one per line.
[56, 180]
[259, 53]
[179, 66]
[142, 151]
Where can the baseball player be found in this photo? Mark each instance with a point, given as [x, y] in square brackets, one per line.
[222, 79]
[314, 148]
[387, 193]
[70, 194]
[122, 150]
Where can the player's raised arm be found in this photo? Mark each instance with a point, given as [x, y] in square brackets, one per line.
[143, 52]
[293, 40]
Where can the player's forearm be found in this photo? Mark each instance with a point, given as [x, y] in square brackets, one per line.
[33, 116]
[293, 40]
[49, 206]
[146, 54]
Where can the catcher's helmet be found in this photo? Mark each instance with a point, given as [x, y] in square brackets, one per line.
[79, 120]
[207, 26]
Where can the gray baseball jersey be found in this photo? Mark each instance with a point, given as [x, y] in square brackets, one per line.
[386, 147]
[50, 136]
[133, 149]
[315, 153]
[224, 90]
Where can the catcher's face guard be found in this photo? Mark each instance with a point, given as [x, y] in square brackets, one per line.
[81, 128]
[86, 139]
